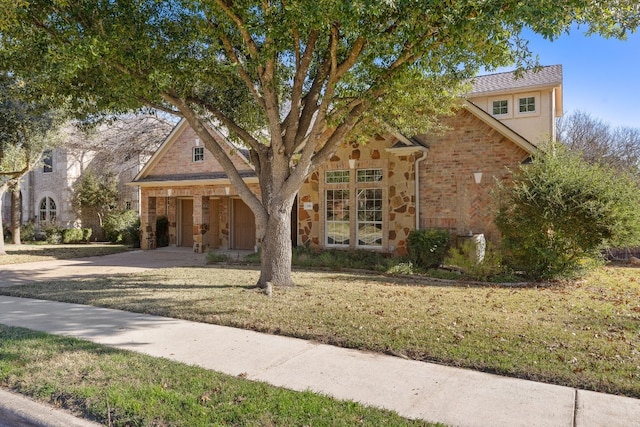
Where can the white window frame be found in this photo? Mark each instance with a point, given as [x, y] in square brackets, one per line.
[198, 154]
[344, 222]
[362, 209]
[47, 160]
[536, 100]
[508, 99]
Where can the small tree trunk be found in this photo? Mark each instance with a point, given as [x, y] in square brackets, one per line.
[16, 213]
[276, 249]
[2, 251]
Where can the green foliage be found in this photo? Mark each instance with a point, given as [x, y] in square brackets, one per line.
[162, 231]
[28, 232]
[560, 210]
[122, 227]
[427, 248]
[465, 257]
[216, 257]
[76, 235]
[96, 192]
[53, 233]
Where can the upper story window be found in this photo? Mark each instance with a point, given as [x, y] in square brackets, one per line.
[369, 175]
[198, 154]
[527, 105]
[500, 107]
[47, 158]
[336, 177]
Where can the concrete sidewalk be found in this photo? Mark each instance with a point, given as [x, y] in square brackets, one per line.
[414, 389]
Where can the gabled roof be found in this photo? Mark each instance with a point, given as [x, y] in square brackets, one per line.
[549, 76]
[144, 177]
[500, 127]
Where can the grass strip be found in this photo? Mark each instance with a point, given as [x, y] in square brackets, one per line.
[122, 388]
[19, 254]
[582, 334]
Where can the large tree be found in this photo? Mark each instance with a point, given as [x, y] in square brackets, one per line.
[288, 79]
[27, 126]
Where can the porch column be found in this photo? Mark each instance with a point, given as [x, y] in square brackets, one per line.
[148, 223]
[172, 216]
[200, 222]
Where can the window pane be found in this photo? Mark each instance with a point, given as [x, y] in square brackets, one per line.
[48, 161]
[500, 107]
[527, 105]
[370, 217]
[198, 154]
[337, 217]
[338, 233]
[369, 175]
[336, 177]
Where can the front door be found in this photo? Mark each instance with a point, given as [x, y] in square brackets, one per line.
[186, 223]
[213, 235]
[244, 226]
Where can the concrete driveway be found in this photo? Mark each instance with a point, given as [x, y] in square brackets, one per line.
[125, 262]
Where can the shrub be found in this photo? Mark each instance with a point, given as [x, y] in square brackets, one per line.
[86, 234]
[72, 235]
[53, 234]
[122, 227]
[560, 210]
[217, 257]
[427, 248]
[465, 258]
[28, 232]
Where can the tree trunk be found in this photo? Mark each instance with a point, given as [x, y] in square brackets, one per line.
[16, 213]
[2, 251]
[276, 248]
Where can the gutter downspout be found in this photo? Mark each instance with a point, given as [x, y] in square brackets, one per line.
[416, 170]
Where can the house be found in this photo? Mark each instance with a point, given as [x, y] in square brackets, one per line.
[122, 147]
[367, 196]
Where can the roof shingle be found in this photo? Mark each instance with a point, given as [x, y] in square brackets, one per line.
[545, 76]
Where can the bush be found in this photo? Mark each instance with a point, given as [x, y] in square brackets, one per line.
[217, 257]
[28, 232]
[86, 234]
[427, 248]
[560, 211]
[122, 227]
[53, 234]
[72, 235]
[76, 235]
[465, 258]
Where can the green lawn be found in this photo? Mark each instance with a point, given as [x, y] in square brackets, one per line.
[119, 388]
[583, 334]
[18, 254]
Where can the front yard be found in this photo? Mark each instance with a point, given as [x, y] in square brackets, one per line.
[584, 334]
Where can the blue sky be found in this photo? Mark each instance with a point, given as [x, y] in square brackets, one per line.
[600, 76]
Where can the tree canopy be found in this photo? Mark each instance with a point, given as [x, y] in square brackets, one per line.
[289, 79]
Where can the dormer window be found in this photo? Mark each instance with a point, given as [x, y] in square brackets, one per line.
[527, 105]
[500, 107]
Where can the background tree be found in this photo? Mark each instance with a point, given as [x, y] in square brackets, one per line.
[289, 79]
[598, 142]
[96, 194]
[561, 210]
[27, 126]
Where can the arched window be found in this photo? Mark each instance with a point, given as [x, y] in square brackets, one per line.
[47, 211]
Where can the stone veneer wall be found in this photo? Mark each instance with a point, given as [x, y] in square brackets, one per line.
[398, 193]
[449, 196]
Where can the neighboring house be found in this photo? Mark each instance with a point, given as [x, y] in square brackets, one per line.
[46, 191]
[367, 196]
